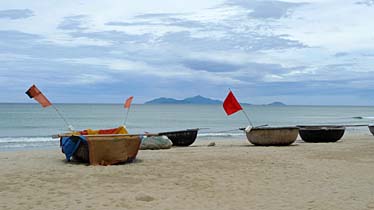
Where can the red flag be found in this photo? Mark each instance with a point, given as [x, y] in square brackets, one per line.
[128, 102]
[34, 92]
[231, 105]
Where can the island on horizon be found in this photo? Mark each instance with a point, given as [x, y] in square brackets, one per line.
[200, 100]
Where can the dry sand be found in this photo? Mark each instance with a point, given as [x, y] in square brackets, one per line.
[231, 175]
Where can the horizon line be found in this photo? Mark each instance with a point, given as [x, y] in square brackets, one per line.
[245, 104]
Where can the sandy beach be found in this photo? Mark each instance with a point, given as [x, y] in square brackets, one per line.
[231, 175]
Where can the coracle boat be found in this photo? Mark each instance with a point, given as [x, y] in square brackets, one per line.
[321, 133]
[272, 136]
[371, 128]
[181, 138]
[101, 147]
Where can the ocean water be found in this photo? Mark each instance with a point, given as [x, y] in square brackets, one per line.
[24, 126]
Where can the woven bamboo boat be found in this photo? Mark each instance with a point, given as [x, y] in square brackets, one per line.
[272, 136]
[105, 149]
[182, 138]
[371, 128]
[323, 133]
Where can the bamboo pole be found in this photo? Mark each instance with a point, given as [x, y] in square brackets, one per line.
[70, 127]
[127, 115]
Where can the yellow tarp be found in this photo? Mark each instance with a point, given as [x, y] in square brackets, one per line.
[120, 130]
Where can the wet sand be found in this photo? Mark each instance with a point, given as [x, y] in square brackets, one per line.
[231, 175]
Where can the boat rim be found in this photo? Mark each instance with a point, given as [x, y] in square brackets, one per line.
[180, 131]
[321, 127]
[275, 128]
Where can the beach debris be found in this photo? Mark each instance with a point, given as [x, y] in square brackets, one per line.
[212, 144]
[144, 197]
[155, 142]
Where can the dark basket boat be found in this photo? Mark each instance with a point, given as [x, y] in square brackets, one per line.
[317, 134]
[181, 138]
[371, 128]
[272, 136]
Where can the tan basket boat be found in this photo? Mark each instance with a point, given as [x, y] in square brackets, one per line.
[272, 136]
[107, 149]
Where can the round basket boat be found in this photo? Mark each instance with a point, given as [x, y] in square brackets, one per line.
[106, 149]
[321, 133]
[272, 136]
[371, 128]
[182, 138]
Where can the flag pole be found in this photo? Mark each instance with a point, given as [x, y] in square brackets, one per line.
[246, 115]
[35, 93]
[127, 106]
[127, 114]
[70, 127]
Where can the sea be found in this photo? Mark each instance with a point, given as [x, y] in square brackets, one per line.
[29, 126]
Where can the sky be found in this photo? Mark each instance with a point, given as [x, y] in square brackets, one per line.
[318, 52]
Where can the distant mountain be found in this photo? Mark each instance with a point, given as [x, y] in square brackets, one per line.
[276, 103]
[199, 100]
[163, 100]
[192, 100]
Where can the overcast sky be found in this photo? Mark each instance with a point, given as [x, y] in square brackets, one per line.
[297, 52]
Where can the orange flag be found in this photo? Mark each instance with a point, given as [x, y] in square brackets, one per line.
[34, 92]
[231, 105]
[128, 102]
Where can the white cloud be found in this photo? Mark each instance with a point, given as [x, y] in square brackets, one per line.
[87, 79]
[333, 25]
[140, 69]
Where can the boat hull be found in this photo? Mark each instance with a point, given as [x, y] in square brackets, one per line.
[317, 134]
[107, 150]
[371, 129]
[272, 136]
[182, 138]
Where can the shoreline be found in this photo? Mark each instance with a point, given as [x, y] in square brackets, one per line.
[231, 175]
[351, 132]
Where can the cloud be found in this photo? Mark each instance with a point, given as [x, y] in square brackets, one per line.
[112, 36]
[73, 23]
[18, 36]
[156, 15]
[15, 14]
[166, 19]
[266, 9]
[140, 69]
[248, 41]
[341, 54]
[266, 48]
[204, 34]
[368, 3]
[210, 66]
[15, 42]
